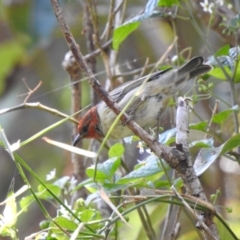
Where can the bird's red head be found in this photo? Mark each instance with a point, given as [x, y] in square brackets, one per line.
[89, 126]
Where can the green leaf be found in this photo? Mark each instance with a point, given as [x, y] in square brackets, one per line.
[87, 215]
[223, 51]
[93, 187]
[90, 215]
[104, 170]
[90, 171]
[218, 73]
[162, 184]
[44, 194]
[113, 187]
[122, 32]
[237, 72]
[205, 158]
[199, 144]
[201, 126]
[117, 150]
[167, 3]
[203, 143]
[26, 201]
[65, 223]
[167, 137]
[83, 184]
[232, 143]
[208, 155]
[221, 117]
[178, 183]
[146, 168]
[44, 224]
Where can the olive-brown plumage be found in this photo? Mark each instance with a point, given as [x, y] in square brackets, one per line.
[152, 94]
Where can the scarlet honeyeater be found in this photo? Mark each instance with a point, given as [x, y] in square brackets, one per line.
[149, 102]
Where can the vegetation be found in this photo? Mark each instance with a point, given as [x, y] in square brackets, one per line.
[121, 189]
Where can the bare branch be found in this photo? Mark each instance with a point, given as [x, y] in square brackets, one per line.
[71, 67]
[30, 91]
[214, 111]
[39, 106]
[173, 157]
[191, 211]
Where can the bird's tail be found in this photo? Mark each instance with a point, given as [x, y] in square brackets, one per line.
[193, 68]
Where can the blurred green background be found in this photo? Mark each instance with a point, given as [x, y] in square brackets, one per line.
[32, 48]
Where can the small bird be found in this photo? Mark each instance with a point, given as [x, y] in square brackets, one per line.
[152, 94]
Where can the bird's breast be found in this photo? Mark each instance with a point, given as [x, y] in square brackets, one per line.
[144, 109]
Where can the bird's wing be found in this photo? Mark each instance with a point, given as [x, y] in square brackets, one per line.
[118, 93]
[176, 78]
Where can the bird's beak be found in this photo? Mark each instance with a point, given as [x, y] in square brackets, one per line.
[76, 140]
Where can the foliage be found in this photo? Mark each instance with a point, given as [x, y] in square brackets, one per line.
[138, 199]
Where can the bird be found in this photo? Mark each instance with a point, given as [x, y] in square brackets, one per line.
[152, 94]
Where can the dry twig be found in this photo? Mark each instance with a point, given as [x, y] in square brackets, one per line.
[30, 91]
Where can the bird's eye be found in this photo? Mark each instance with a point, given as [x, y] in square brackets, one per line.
[84, 129]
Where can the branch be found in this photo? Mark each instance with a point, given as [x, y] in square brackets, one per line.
[39, 106]
[90, 29]
[185, 169]
[30, 91]
[95, 83]
[71, 67]
[175, 158]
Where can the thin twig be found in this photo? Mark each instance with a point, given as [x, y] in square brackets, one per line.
[116, 19]
[133, 72]
[38, 106]
[30, 91]
[149, 222]
[71, 67]
[214, 111]
[169, 194]
[176, 225]
[98, 51]
[170, 208]
[110, 21]
[146, 224]
[144, 68]
[107, 27]
[96, 39]
[166, 222]
[191, 211]
[89, 26]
